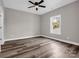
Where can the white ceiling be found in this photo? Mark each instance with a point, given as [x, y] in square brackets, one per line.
[23, 4]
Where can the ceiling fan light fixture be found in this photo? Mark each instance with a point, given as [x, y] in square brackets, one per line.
[36, 9]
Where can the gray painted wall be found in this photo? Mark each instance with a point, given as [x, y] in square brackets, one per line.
[0, 3]
[19, 24]
[70, 22]
[22, 24]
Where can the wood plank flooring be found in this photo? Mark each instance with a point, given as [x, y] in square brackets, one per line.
[39, 47]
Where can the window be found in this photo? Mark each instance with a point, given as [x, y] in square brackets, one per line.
[55, 24]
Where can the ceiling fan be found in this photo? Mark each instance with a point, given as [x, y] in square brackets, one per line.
[37, 4]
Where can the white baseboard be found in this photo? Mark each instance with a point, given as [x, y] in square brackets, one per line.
[44, 36]
[61, 40]
[21, 38]
[1, 42]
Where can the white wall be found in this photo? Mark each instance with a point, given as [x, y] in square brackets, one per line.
[19, 24]
[1, 23]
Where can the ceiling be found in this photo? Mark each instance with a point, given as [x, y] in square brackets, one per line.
[23, 4]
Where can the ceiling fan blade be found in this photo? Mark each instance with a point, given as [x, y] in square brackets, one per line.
[41, 1]
[42, 6]
[31, 6]
[32, 2]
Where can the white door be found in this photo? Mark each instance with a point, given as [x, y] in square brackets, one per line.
[0, 38]
[1, 25]
[0, 32]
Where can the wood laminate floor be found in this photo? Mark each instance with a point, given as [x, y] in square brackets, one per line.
[39, 48]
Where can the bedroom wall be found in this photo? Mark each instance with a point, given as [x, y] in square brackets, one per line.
[69, 23]
[0, 2]
[19, 24]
